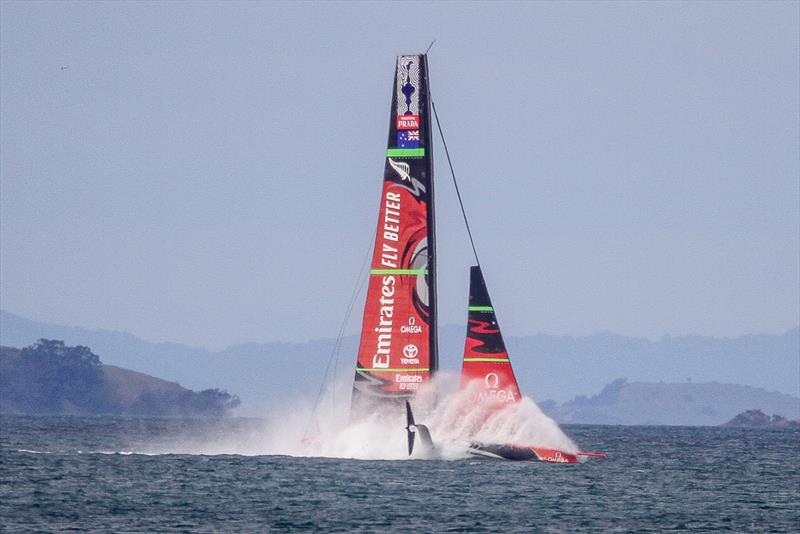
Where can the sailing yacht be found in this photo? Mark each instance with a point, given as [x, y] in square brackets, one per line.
[397, 353]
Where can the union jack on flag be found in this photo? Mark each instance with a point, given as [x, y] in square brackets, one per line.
[408, 139]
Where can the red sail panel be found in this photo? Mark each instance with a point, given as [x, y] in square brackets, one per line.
[397, 351]
[486, 369]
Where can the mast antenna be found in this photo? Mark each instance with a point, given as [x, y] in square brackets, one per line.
[429, 47]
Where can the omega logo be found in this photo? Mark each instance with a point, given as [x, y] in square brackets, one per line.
[491, 380]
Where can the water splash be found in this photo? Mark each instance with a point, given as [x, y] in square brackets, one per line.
[453, 417]
[449, 411]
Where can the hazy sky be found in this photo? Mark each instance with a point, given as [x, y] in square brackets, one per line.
[209, 173]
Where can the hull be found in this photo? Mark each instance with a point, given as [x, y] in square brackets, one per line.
[520, 453]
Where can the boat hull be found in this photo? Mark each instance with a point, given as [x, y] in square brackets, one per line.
[521, 453]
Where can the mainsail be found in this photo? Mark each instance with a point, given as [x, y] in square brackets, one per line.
[486, 369]
[397, 351]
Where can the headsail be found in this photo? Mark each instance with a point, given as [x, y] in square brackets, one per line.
[397, 351]
[486, 367]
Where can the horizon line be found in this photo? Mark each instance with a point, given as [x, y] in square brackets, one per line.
[606, 332]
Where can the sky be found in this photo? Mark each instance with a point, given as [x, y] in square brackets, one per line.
[209, 173]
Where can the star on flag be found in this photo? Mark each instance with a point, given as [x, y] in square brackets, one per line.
[408, 139]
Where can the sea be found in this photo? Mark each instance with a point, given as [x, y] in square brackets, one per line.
[113, 474]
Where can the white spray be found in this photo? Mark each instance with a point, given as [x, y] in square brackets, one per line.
[448, 411]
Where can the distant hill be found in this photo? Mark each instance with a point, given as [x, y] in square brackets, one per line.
[639, 403]
[266, 375]
[758, 419]
[50, 377]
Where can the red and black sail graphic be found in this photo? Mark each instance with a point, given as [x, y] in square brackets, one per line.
[486, 369]
[397, 352]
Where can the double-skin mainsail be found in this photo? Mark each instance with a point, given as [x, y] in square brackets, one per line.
[397, 353]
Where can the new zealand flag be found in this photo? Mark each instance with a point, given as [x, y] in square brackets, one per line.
[408, 139]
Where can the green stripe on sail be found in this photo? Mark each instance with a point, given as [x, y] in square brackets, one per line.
[399, 271]
[405, 152]
[486, 360]
[405, 370]
[481, 308]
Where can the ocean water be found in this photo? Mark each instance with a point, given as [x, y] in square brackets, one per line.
[137, 475]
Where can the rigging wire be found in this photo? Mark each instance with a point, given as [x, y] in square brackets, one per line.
[360, 282]
[455, 182]
[338, 343]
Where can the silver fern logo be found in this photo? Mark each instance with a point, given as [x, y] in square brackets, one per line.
[403, 170]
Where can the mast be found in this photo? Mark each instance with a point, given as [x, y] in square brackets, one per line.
[397, 351]
[434, 314]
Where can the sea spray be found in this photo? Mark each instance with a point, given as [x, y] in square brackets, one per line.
[459, 418]
[451, 414]
[326, 430]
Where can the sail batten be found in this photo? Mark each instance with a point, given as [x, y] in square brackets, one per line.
[397, 350]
